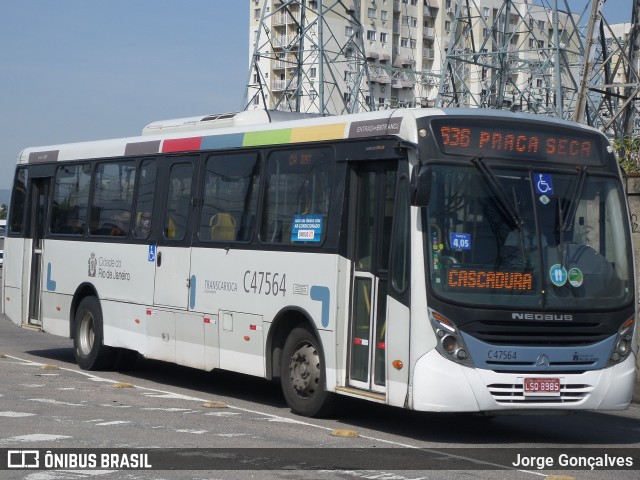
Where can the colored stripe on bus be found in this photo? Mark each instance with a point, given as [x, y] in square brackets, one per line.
[181, 144]
[142, 148]
[315, 134]
[235, 140]
[212, 142]
[267, 137]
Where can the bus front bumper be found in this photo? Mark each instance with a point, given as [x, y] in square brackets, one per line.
[440, 385]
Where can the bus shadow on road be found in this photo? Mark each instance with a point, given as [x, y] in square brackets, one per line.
[577, 429]
[234, 386]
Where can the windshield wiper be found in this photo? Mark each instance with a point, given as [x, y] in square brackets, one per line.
[570, 211]
[505, 206]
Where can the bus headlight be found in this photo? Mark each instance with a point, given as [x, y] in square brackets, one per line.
[622, 346]
[449, 341]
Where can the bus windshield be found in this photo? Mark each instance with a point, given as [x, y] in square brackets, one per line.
[528, 238]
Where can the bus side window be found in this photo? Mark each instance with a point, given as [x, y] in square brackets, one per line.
[144, 199]
[298, 191]
[70, 199]
[18, 201]
[230, 198]
[178, 202]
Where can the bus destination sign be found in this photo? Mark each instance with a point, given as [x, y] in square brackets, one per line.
[489, 280]
[529, 143]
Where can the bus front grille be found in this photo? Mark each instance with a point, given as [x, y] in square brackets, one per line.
[513, 394]
[537, 333]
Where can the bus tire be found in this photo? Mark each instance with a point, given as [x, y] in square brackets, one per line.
[88, 341]
[303, 374]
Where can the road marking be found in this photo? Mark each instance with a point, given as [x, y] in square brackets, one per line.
[67, 474]
[16, 414]
[164, 394]
[279, 420]
[56, 402]
[187, 430]
[162, 409]
[34, 437]
[115, 422]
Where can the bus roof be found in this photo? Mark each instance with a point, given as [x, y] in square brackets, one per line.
[257, 128]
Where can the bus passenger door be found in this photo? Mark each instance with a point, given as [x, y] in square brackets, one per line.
[38, 205]
[173, 254]
[373, 191]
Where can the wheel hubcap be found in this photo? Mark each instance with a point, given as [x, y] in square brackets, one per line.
[304, 369]
[87, 334]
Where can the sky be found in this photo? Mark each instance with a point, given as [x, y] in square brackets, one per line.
[77, 70]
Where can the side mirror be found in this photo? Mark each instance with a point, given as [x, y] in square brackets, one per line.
[421, 178]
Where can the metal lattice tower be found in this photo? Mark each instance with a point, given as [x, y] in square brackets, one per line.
[302, 60]
[609, 81]
[536, 56]
[540, 56]
[513, 54]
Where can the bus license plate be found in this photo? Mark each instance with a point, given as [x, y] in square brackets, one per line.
[542, 387]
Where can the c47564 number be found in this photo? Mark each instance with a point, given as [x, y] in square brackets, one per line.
[265, 283]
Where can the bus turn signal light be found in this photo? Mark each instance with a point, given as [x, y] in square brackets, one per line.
[397, 364]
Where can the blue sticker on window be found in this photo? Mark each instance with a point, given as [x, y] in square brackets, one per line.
[544, 185]
[558, 275]
[460, 241]
[306, 228]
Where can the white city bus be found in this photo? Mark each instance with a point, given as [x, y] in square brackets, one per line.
[435, 260]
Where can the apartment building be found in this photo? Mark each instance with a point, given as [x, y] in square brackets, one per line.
[404, 45]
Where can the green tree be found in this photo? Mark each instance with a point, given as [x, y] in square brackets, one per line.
[628, 151]
[3, 212]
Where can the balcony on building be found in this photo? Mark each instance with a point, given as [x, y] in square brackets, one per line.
[281, 85]
[284, 18]
[430, 8]
[429, 32]
[279, 64]
[400, 83]
[396, 5]
[372, 55]
[378, 75]
[281, 41]
[428, 53]
[403, 61]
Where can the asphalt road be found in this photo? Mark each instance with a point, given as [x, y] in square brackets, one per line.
[47, 402]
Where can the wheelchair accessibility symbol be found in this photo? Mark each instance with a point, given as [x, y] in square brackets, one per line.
[544, 185]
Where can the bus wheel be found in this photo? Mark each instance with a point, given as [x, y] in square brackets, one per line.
[88, 346]
[303, 375]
